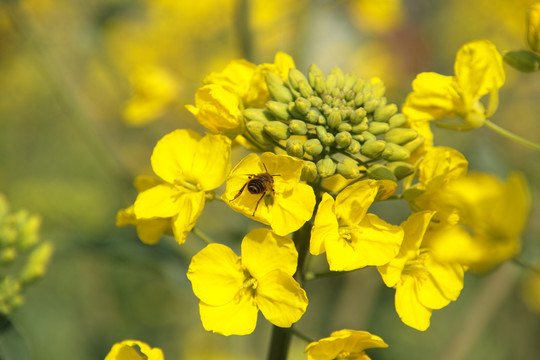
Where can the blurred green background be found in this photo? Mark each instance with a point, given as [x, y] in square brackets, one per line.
[70, 148]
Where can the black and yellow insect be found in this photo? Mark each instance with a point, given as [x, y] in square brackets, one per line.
[258, 184]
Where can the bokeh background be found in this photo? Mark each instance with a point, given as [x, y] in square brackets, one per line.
[88, 87]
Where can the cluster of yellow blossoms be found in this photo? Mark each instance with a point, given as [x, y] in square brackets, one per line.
[313, 132]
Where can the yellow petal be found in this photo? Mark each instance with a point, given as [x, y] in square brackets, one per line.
[353, 202]
[151, 230]
[134, 350]
[238, 317]
[286, 169]
[192, 204]
[344, 342]
[211, 163]
[263, 251]
[235, 77]
[325, 227]
[409, 309]
[162, 201]
[173, 155]
[292, 209]
[433, 97]
[442, 286]
[280, 298]
[478, 69]
[216, 274]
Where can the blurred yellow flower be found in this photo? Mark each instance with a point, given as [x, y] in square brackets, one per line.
[154, 89]
[189, 165]
[478, 70]
[275, 197]
[233, 289]
[493, 216]
[344, 344]
[148, 230]
[134, 350]
[378, 16]
[531, 290]
[350, 237]
[422, 283]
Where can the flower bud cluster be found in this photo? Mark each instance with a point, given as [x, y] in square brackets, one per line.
[19, 236]
[337, 123]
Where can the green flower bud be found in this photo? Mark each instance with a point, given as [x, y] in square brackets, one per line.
[313, 72]
[313, 147]
[359, 86]
[359, 99]
[277, 130]
[344, 127]
[320, 85]
[383, 113]
[400, 169]
[358, 138]
[359, 128]
[295, 77]
[291, 108]
[400, 136]
[397, 120]
[380, 172]
[322, 120]
[343, 139]
[252, 114]
[298, 127]
[377, 128]
[37, 263]
[348, 168]
[413, 145]
[305, 89]
[7, 255]
[295, 148]
[371, 104]
[358, 116]
[326, 167]
[315, 101]
[533, 27]
[313, 116]
[302, 105]
[278, 109]
[350, 82]
[523, 60]
[394, 152]
[256, 130]
[350, 95]
[320, 131]
[368, 136]
[278, 91]
[334, 119]
[327, 139]
[373, 148]
[340, 77]
[354, 147]
[331, 82]
[309, 171]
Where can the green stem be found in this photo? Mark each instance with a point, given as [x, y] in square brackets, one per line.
[525, 264]
[201, 235]
[299, 335]
[313, 276]
[511, 135]
[242, 27]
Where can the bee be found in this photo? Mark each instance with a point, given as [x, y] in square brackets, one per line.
[258, 184]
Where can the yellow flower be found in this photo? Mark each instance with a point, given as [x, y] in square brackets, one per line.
[275, 197]
[439, 166]
[233, 289]
[352, 238]
[344, 344]
[154, 89]
[530, 291]
[134, 350]
[148, 230]
[479, 71]
[189, 165]
[494, 214]
[422, 283]
[219, 103]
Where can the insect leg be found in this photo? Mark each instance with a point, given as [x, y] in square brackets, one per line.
[240, 192]
[258, 201]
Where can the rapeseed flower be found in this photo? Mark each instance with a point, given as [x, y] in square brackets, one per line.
[478, 72]
[134, 350]
[189, 165]
[233, 289]
[492, 216]
[344, 344]
[148, 230]
[422, 283]
[283, 202]
[350, 236]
